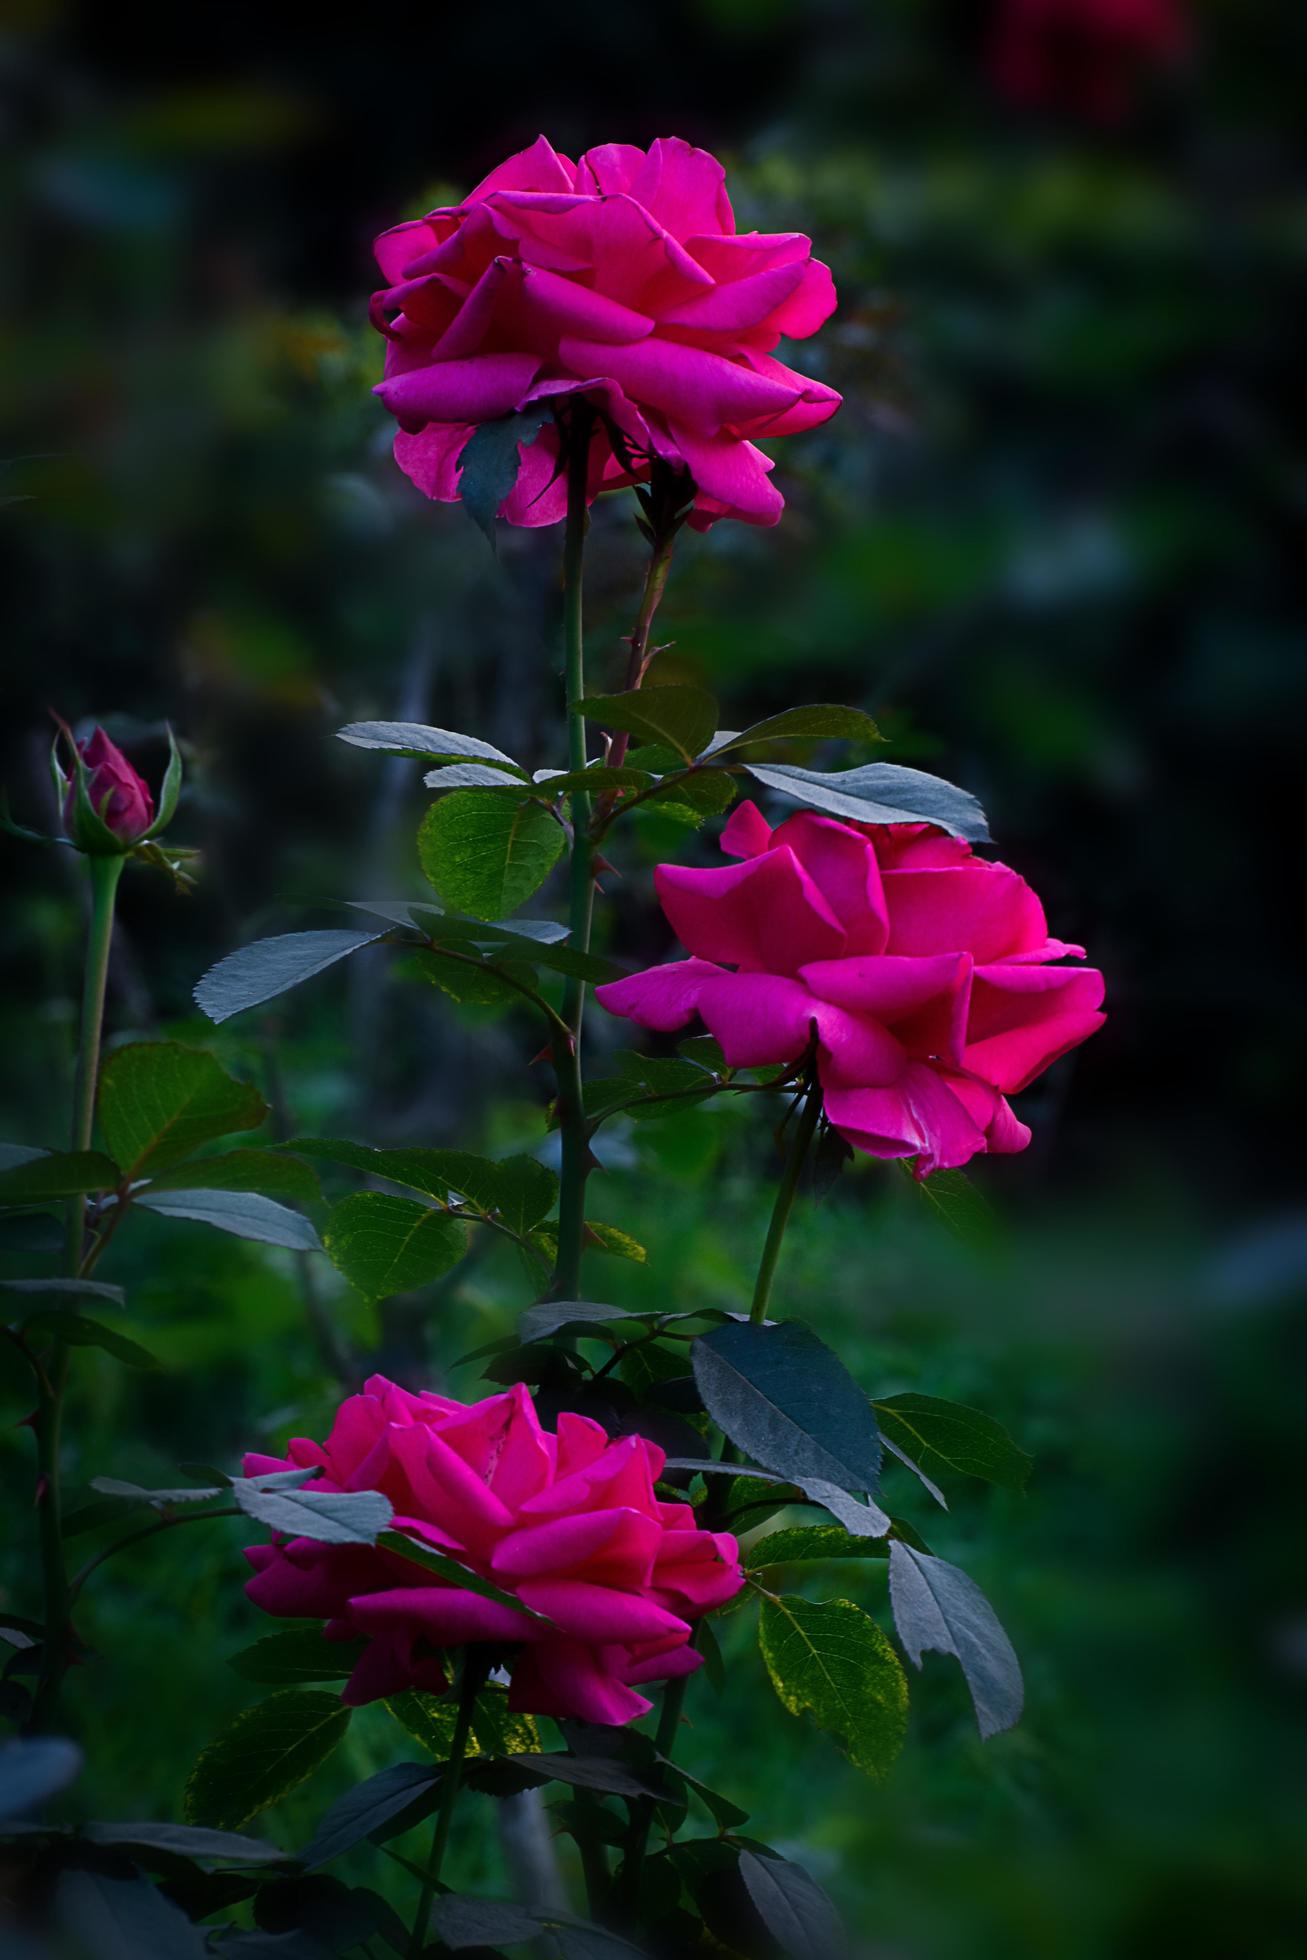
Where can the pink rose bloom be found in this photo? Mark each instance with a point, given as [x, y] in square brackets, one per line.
[568, 1522]
[924, 973]
[623, 278]
[1083, 55]
[129, 809]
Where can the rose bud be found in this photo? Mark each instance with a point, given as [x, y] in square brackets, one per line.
[107, 806]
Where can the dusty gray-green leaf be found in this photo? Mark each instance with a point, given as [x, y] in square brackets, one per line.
[159, 1101]
[77, 1331]
[138, 1494]
[49, 1292]
[123, 1918]
[879, 792]
[824, 721]
[829, 1659]
[416, 738]
[475, 775]
[33, 1769]
[941, 1435]
[351, 1517]
[185, 1841]
[485, 853]
[937, 1606]
[268, 967]
[245, 1214]
[491, 459]
[789, 1403]
[793, 1908]
[50, 1174]
[386, 1245]
[680, 718]
[399, 1796]
[266, 1752]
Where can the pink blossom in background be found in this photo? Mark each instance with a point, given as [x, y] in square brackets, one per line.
[119, 796]
[568, 1522]
[620, 277]
[1083, 55]
[926, 974]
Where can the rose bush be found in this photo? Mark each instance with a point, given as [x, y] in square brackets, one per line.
[119, 796]
[923, 972]
[567, 1522]
[621, 278]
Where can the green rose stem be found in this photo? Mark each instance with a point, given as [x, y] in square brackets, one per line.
[576, 1158]
[471, 1680]
[642, 1809]
[52, 1379]
[783, 1205]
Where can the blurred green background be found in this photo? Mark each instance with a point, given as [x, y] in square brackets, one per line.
[1053, 542]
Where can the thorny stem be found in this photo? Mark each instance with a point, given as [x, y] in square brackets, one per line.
[470, 1684]
[104, 874]
[575, 1165]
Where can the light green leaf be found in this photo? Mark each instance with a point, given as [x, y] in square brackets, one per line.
[485, 853]
[680, 718]
[800, 1543]
[829, 1659]
[266, 1752]
[430, 1719]
[609, 1238]
[160, 1101]
[386, 1245]
[940, 1435]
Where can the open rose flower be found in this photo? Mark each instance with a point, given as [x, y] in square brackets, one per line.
[117, 794]
[1082, 55]
[568, 1523]
[622, 278]
[924, 974]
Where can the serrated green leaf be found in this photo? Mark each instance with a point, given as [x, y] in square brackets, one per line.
[384, 1805]
[801, 1543]
[596, 777]
[419, 1553]
[610, 1238]
[266, 1752]
[829, 1659]
[49, 1174]
[268, 1172]
[824, 721]
[683, 719]
[485, 853]
[77, 1331]
[268, 967]
[702, 792]
[159, 1101]
[473, 980]
[300, 1654]
[518, 1189]
[941, 1435]
[386, 1245]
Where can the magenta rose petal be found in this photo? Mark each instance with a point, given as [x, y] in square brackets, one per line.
[747, 833]
[663, 998]
[1024, 1017]
[473, 390]
[766, 914]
